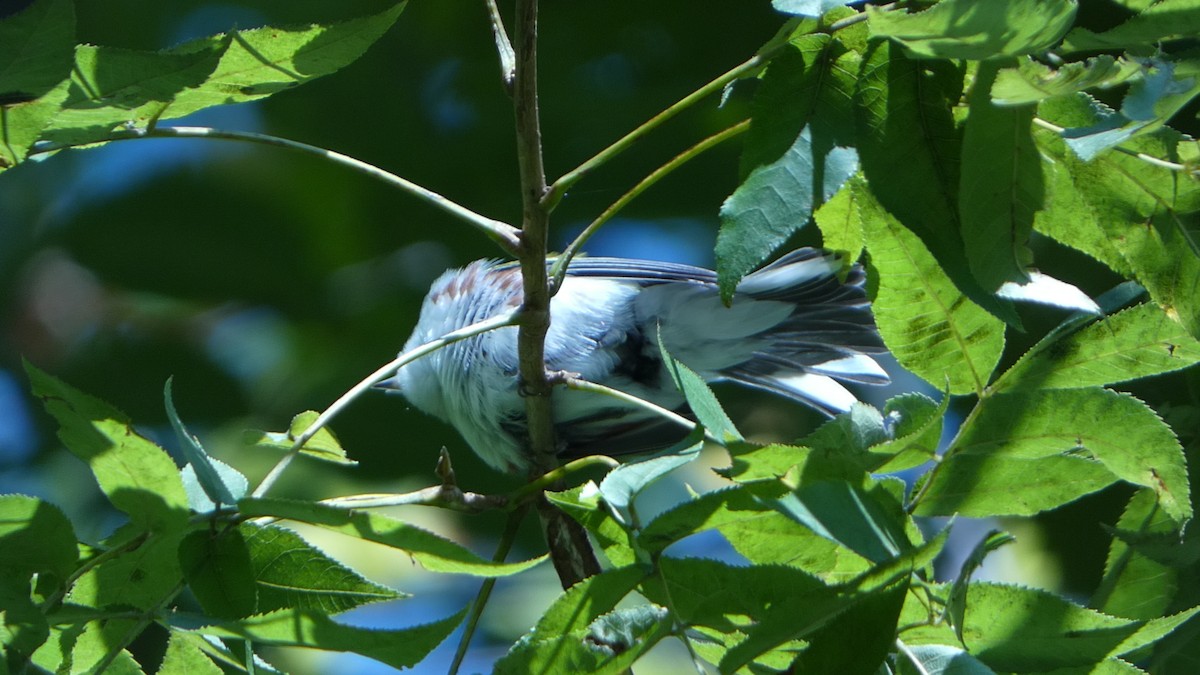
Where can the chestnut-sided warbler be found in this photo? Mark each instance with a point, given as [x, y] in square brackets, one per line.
[792, 329]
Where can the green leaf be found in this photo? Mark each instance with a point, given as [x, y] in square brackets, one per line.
[848, 515]
[1128, 214]
[623, 484]
[432, 551]
[1160, 21]
[910, 150]
[1000, 185]
[81, 648]
[799, 152]
[583, 504]
[1137, 342]
[1136, 585]
[143, 576]
[217, 567]
[323, 445]
[980, 486]
[1014, 629]
[223, 484]
[1154, 630]
[802, 618]
[709, 593]
[1070, 442]
[23, 625]
[113, 88]
[717, 509]
[840, 222]
[185, 657]
[916, 430]
[35, 536]
[940, 660]
[21, 124]
[932, 329]
[271, 59]
[35, 50]
[136, 475]
[291, 573]
[966, 29]
[771, 538]
[402, 648]
[1032, 81]
[557, 644]
[956, 601]
[701, 400]
[872, 622]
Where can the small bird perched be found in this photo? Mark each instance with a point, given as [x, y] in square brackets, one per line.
[791, 329]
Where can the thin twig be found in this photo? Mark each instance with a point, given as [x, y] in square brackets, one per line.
[502, 233]
[504, 48]
[511, 527]
[564, 183]
[506, 319]
[585, 385]
[559, 269]
[1149, 159]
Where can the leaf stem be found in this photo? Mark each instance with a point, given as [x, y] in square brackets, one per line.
[499, 321]
[503, 234]
[564, 183]
[559, 269]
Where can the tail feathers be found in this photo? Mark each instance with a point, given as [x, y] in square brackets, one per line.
[819, 391]
[830, 333]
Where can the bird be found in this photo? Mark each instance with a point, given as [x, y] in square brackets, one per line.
[793, 328]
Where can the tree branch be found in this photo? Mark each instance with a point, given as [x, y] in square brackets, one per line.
[570, 550]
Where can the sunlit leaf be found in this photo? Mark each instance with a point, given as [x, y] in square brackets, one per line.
[799, 152]
[265, 61]
[1137, 342]
[910, 149]
[966, 29]
[141, 577]
[623, 484]
[1031, 81]
[931, 328]
[35, 50]
[1135, 585]
[434, 552]
[398, 648]
[112, 88]
[1129, 214]
[1165, 20]
[35, 536]
[136, 475]
[1000, 185]
[558, 644]
[185, 657]
[1068, 442]
[323, 445]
